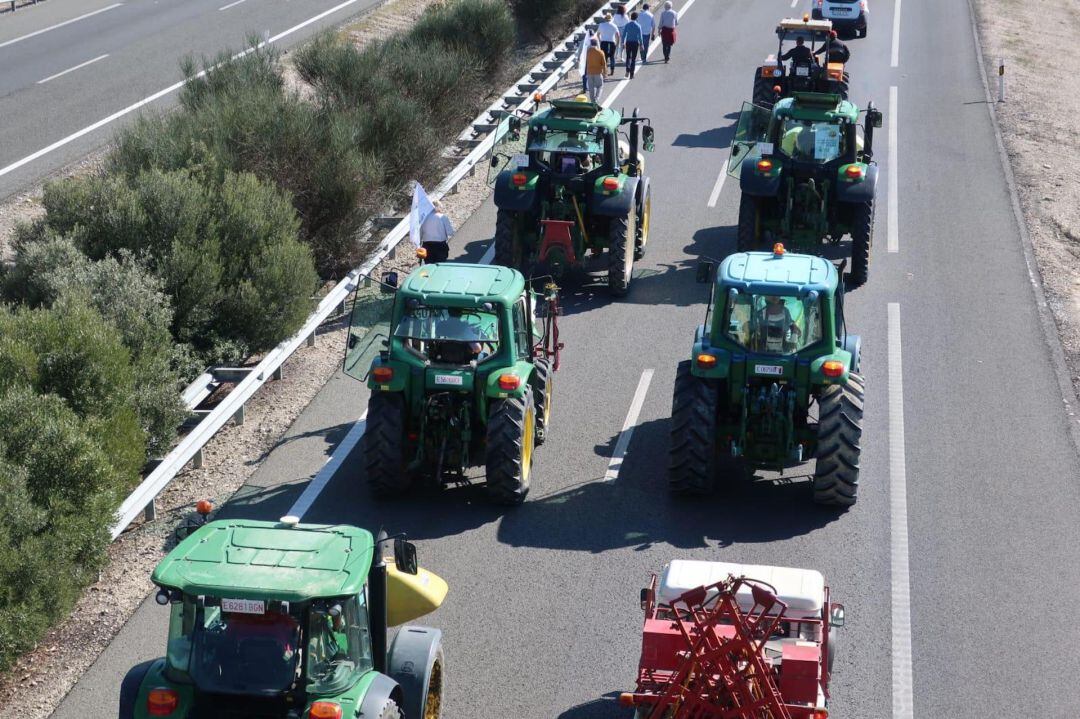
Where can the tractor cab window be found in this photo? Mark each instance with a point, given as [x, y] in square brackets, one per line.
[452, 335]
[810, 141]
[522, 331]
[568, 153]
[338, 645]
[773, 324]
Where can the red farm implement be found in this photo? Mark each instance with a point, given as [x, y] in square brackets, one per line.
[729, 641]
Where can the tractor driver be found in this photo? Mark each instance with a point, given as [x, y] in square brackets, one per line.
[800, 54]
[798, 141]
[838, 51]
[776, 328]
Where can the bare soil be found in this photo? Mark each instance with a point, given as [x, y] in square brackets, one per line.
[1040, 122]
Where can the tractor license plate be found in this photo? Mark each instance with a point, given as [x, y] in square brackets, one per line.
[243, 606]
[519, 162]
[841, 10]
[773, 370]
[802, 71]
[451, 379]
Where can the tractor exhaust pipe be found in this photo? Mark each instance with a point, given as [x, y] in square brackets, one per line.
[635, 137]
[377, 592]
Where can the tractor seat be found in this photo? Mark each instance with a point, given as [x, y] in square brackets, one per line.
[803, 590]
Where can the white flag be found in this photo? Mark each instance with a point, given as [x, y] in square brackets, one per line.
[421, 208]
[583, 51]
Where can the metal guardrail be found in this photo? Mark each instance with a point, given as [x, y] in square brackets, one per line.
[24, 3]
[484, 132]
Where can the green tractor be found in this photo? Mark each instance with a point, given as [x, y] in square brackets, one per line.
[572, 195]
[465, 376]
[289, 621]
[773, 380]
[807, 176]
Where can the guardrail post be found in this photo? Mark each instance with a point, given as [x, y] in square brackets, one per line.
[150, 513]
[238, 418]
[197, 460]
[311, 340]
[278, 373]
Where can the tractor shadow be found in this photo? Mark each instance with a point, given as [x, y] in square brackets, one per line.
[637, 510]
[717, 138]
[607, 707]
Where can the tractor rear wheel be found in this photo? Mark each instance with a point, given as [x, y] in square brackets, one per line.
[390, 710]
[693, 461]
[764, 95]
[643, 219]
[508, 249]
[543, 387]
[511, 436]
[620, 254]
[862, 240]
[749, 232]
[840, 414]
[384, 445]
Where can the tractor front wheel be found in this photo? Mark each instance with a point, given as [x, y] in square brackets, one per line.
[693, 461]
[862, 240]
[749, 232]
[543, 387]
[840, 414]
[643, 219]
[508, 249]
[620, 254]
[511, 436]
[384, 445]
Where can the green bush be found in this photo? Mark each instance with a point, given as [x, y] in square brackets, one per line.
[484, 28]
[550, 19]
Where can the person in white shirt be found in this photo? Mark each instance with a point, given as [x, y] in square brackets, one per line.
[435, 234]
[669, 20]
[609, 40]
[620, 20]
[648, 30]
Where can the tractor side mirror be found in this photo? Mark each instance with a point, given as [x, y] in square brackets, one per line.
[704, 272]
[389, 282]
[837, 616]
[648, 136]
[494, 161]
[648, 596]
[873, 117]
[405, 556]
[515, 127]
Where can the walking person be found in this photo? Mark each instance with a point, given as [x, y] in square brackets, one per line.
[632, 36]
[583, 52]
[669, 20]
[647, 21]
[609, 40]
[435, 234]
[596, 65]
[620, 21]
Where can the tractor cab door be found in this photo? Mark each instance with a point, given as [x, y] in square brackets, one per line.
[508, 151]
[752, 129]
[369, 324]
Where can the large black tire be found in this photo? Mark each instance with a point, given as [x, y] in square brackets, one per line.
[543, 390]
[693, 461]
[764, 96]
[508, 249]
[511, 436]
[384, 445]
[129, 689]
[644, 220]
[749, 232]
[862, 240]
[620, 234]
[840, 413]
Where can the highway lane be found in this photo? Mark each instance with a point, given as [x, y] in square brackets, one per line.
[542, 619]
[142, 41]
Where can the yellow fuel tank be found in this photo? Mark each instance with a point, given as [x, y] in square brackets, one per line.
[409, 597]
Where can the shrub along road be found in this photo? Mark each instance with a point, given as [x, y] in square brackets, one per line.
[69, 65]
[968, 466]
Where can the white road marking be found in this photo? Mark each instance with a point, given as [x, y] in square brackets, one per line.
[896, 34]
[623, 442]
[489, 254]
[685, 7]
[794, 3]
[72, 69]
[333, 464]
[232, 4]
[894, 173]
[901, 576]
[159, 94]
[58, 25]
[719, 186]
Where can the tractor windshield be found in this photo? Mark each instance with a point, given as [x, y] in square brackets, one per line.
[567, 153]
[448, 324]
[811, 141]
[772, 324]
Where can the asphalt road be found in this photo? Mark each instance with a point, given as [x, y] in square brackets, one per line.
[69, 65]
[969, 471]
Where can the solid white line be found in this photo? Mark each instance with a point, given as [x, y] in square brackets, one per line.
[59, 24]
[333, 464]
[72, 69]
[157, 95]
[794, 3]
[901, 577]
[719, 186]
[232, 4]
[896, 34]
[685, 7]
[627, 432]
[489, 254]
[894, 173]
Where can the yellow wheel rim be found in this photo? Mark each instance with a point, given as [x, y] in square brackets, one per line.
[527, 442]
[548, 395]
[433, 706]
[646, 216]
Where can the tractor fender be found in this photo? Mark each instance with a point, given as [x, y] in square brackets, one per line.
[755, 183]
[513, 198]
[381, 688]
[853, 344]
[397, 382]
[410, 662]
[642, 193]
[817, 375]
[130, 686]
[523, 370]
[618, 204]
[719, 370]
[860, 191]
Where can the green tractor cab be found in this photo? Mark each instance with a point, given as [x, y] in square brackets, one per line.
[464, 375]
[290, 620]
[773, 378]
[773, 81]
[807, 176]
[572, 194]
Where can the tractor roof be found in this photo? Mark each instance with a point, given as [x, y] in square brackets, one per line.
[576, 115]
[247, 559]
[816, 106]
[786, 274]
[792, 27]
[454, 284]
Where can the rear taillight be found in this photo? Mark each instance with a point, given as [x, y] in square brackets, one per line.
[382, 375]
[519, 179]
[832, 368]
[611, 183]
[162, 701]
[324, 710]
[509, 382]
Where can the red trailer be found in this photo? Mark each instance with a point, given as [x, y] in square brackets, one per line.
[735, 641]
